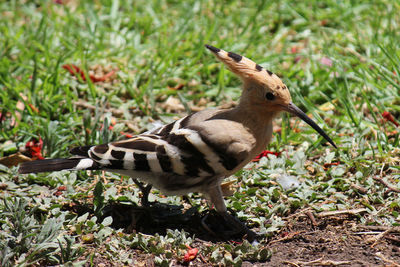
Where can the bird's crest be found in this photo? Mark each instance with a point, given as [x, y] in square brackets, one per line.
[250, 72]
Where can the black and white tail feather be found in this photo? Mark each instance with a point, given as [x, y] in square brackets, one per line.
[51, 165]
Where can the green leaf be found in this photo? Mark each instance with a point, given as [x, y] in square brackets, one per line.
[107, 221]
[98, 199]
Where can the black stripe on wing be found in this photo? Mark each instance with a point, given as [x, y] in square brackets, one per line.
[136, 144]
[101, 149]
[193, 160]
[163, 159]
[228, 159]
[80, 151]
[166, 130]
[185, 121]
[116, 164]
[141, 162]
[118, 154]
[94, 156]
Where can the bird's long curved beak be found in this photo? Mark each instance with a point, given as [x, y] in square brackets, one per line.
[293, 109]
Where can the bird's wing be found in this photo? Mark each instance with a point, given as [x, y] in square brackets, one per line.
[186, 147]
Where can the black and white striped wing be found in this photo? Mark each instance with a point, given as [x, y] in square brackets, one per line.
[152, 153]
[169, 149]
[141, 153]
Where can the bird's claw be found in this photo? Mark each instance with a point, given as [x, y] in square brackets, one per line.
[233, 227]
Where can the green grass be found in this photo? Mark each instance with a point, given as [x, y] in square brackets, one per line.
[156, 45]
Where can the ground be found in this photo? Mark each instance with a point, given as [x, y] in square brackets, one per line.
[332, 239]
[337, 241]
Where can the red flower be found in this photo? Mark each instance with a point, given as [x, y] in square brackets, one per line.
[328, 165]
[76, 71]
[190, 254]
[34, 147]
[389, 117]
[111, 127]
[60, 190]
[265, 154]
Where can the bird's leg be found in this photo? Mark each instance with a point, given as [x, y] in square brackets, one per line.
[215, 196]
[144, 200]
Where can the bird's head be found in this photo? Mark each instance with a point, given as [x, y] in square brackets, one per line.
[263, 90]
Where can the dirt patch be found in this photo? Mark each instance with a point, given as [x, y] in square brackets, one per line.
[334, 242]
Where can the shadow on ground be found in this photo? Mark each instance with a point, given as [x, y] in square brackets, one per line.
[158, 218]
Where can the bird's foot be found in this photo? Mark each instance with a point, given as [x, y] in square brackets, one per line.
[230, 228]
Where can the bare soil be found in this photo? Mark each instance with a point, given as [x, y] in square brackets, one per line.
[305, 240]
[334, 241]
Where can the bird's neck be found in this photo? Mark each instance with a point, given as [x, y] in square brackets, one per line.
[259, 124]
[254, 116]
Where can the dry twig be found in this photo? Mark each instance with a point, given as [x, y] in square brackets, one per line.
[291, 263]
[379, 237]
[288, 237]
[367, 233]
[341, 212]
[390, 187]
[386, 260]
[319, 262]
[312, 218]
[393, 229]
[359, 188]
[298, 214]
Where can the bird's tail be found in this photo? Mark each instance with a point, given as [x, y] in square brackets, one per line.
[49, 165]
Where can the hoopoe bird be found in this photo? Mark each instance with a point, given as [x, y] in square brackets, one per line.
[196, 152]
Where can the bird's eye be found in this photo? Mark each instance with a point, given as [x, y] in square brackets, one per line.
[269, 96]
